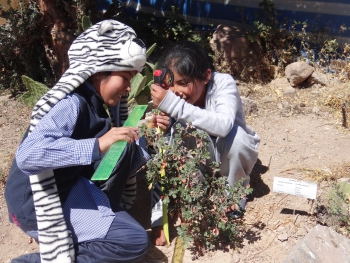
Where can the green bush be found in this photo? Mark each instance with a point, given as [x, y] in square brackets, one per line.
[170, 28]
[277, 42]
[193, 189]
[35, 91]
[335, 210]
[21, 47]
[27, 40]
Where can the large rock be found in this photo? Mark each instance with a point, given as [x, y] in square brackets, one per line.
[298, 72]
[249, 106]
[321, 245]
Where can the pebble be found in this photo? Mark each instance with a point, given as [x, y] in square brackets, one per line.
[282, 237]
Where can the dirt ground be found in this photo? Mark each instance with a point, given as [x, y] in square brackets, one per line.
[300, 139]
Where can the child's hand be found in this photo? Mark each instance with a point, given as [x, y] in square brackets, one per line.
[161, 120]
[115, 134]
[158, 94]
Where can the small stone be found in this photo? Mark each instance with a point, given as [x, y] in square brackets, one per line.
[267, 99]
[282, 237]
[290, 91]
[316, 110]
[298, 72]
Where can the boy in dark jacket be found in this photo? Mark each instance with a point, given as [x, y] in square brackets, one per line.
[49, 193]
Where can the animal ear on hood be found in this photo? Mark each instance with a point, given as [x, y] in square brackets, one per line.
[104, 27]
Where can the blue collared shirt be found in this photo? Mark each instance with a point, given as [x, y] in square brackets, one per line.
[87, 209]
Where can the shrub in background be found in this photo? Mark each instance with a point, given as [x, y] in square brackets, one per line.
[334, 211]
[21, 47]
[35, 40]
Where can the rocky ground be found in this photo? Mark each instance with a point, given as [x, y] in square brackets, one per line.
[301, 138]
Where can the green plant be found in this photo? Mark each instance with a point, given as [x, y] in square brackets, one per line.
[141, 82]
[29, 38]
[170, 28]
[35, 91]
[85, 22]
[21, 49]
[336, 210]
[277, 41]
[35, 39]
[326, 52]
[193, 188]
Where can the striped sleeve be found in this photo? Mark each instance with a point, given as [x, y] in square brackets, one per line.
[123, 110]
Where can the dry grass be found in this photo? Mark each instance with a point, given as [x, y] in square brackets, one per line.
[332, 98]
[330, 175]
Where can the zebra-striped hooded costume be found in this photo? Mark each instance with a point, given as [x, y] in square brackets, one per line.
[106, 46]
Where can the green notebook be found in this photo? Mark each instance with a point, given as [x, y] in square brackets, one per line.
[104, 170]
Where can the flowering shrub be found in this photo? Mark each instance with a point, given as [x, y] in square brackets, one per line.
[193, 188]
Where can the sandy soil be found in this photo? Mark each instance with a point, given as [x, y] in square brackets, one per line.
[296, 139]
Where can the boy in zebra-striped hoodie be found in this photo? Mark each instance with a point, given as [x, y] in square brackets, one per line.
[48, 191]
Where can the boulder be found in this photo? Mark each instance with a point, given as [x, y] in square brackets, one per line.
[249, 106]
[298, 72]
[321, 245]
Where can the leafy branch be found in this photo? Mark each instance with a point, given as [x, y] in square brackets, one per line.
[193, 188]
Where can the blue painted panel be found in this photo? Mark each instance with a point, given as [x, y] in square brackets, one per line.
[321, 13]
[314, 1]
[103, 4]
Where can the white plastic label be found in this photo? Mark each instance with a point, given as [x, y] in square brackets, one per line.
[295, 187]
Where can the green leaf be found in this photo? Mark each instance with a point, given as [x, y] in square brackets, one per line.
[148, 71]
[85, 23]
[151, 49]
[156, 65]
[35, 91]
[149, 85]
[138, 82]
